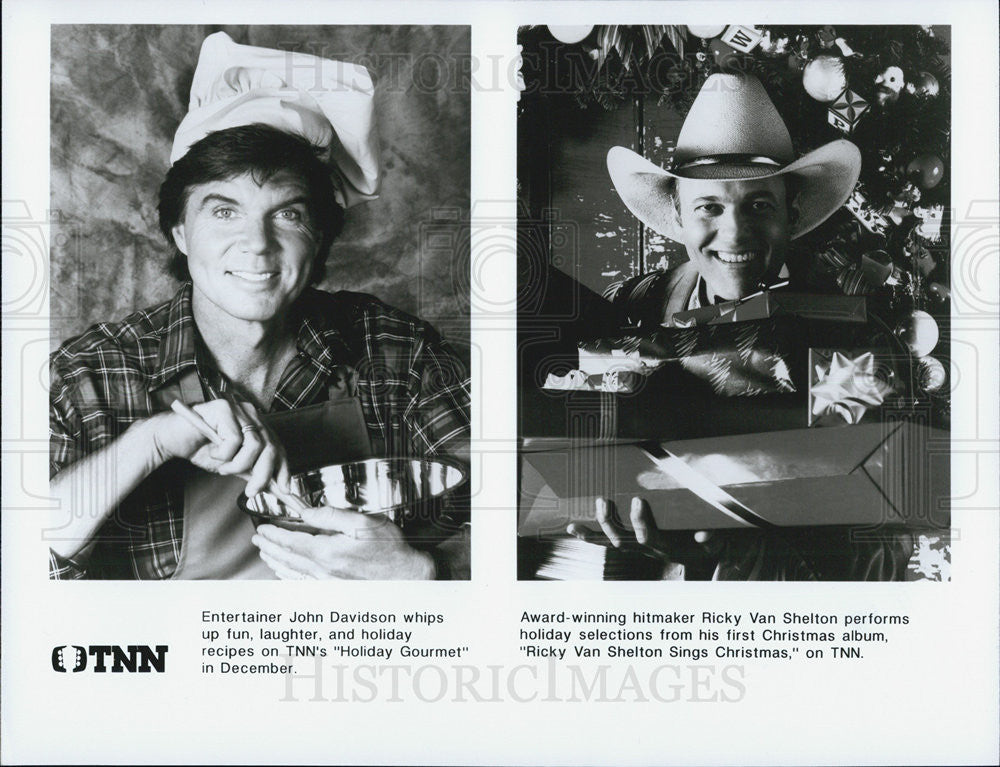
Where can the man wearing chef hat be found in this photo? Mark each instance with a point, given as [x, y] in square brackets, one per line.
[275, 147]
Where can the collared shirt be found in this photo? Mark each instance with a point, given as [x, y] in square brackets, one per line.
[414, 394]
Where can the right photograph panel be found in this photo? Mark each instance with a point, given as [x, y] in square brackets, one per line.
[733, 303]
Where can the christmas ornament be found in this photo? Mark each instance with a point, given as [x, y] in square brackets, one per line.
[931, 375]
[843, 384]
[570, 34]
[919, 333]
[827, 36]
[706, 30]
[926, 169]
[872, 220]
[824, 78]
[723, 55]
[773, 47]
[930, 222]
[926, 85]
[846, 110]
[742, 38]
[845, 49]
[888, 85]
[940, 293]
[701, 56]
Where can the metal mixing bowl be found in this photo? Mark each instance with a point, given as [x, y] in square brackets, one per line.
[389, 486]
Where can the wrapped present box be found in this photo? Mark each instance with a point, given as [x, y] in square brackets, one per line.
[770, 303]
[739, 348]
[735, 359]
[892, 474]
[611, 381]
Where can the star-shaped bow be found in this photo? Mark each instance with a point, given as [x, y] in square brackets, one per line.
[848, 388]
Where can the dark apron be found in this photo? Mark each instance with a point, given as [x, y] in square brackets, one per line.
[215, 544]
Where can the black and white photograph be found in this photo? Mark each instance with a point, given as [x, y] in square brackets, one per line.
[260, 342]
[734, 302]
[367, 366]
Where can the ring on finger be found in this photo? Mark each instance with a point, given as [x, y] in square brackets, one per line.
[248, 428]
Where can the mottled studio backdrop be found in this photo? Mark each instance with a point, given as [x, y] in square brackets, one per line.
[118, 94]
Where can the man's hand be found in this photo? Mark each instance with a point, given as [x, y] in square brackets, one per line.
[359, 546]
[645, 537]
[94, 486]
[246, 445]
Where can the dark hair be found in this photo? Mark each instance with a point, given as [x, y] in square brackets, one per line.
[263, 152]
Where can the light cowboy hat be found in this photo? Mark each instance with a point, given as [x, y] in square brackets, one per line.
[330, 103]
[733, 132]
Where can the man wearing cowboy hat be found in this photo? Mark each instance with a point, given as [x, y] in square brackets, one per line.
[734, 196]
[275, 147]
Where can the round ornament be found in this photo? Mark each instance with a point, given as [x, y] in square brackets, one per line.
[925, 85]
[824, 78]
[938, 292]
[926, 170]
[919, 332]
[827, 36]
[723, 55]
[706, 31]
[931, 375]
[570, 34]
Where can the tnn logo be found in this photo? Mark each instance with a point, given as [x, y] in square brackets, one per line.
[134, 658]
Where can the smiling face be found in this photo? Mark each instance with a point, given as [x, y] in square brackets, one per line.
[735, 232]
[250, 247]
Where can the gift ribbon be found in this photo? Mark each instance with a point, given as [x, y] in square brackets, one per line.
[704, 488]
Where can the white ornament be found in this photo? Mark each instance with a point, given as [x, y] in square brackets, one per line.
[824, 78]
[932, 374]
[570, 34]
[844, 47]
[930, 221]
[706, 30]
[919, 332]
[892, 79]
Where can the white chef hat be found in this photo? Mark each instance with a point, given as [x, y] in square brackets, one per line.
[330, 103]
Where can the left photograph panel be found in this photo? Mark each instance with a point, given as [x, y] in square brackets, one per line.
[259, 302]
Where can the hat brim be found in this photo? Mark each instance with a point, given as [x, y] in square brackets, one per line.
[827, 176]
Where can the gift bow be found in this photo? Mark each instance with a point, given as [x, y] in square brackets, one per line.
[848, 388]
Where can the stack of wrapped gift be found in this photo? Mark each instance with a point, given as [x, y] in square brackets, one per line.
[797, 408]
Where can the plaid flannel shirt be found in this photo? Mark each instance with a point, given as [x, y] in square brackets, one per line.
[414, 394]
